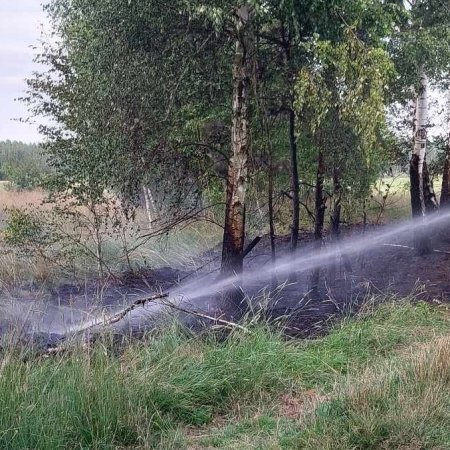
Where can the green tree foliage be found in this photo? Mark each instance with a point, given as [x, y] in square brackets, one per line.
[127, 92]
[345, 84]
[422, 39]
[129, 95]
[139, 94]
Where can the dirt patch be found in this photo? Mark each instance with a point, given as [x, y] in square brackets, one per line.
[296, 407]
[414, 445]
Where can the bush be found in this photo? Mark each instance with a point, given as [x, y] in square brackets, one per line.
[25, 230]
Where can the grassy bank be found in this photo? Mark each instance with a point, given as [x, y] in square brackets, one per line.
[379, 380]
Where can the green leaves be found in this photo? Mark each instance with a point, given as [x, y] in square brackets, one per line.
[341, 101]
[122, 76]
[423, 41]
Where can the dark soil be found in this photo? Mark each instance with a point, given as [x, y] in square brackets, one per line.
[393, 270]
[345, 284]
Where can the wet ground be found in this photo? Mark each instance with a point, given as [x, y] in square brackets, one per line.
[345, 282]
[392, 269]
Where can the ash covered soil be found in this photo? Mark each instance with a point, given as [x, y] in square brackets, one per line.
[390, 268]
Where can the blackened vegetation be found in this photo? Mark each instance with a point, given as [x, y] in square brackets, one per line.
[423, 201]
[445, 191]
[346, 285]
[416, 204]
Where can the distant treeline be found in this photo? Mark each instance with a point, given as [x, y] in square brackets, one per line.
[22, 164]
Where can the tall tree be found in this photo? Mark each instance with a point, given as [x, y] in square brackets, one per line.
[289, 27]
[345, 84]
[445, 190]
[421, 52]
[127, 91]
[234, 228]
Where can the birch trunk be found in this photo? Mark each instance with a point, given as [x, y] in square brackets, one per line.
[320, 216]
[234, 229]
[417, 162]
[152, 202]
[148, 208]
[445, 191]
[420, 139]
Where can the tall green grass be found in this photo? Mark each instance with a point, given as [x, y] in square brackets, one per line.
[150, 394]
[405, 404]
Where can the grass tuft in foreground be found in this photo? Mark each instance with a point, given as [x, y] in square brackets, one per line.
[178, 391]
[405, 404]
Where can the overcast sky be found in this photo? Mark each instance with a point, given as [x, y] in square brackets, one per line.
[20, 27]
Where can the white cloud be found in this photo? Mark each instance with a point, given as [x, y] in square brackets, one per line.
[28, 25]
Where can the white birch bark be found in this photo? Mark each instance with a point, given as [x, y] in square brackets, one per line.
[420, 134]
[152, 203]
[148, 207]
[234, 228]
[445, 190]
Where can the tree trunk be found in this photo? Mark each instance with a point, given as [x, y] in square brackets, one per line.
[270, 191]
[418, 205]
[234, 228]
[148, 207]
[445, 191]
[271, 211]
[336, 218]
[295, 184]
[320, 199]
[272, 224]
[320, 215]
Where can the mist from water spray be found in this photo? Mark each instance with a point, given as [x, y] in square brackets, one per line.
[312, 259]
[301, 261]
[210, 286]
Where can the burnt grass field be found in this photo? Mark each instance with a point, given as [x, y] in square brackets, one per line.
[346, 282]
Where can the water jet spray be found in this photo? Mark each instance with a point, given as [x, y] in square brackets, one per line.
[187, 297]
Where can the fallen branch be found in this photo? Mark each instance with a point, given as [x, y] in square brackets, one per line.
[205, 316]
[251, 246]
[120, 315]
[141, 303]
[108, 321]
